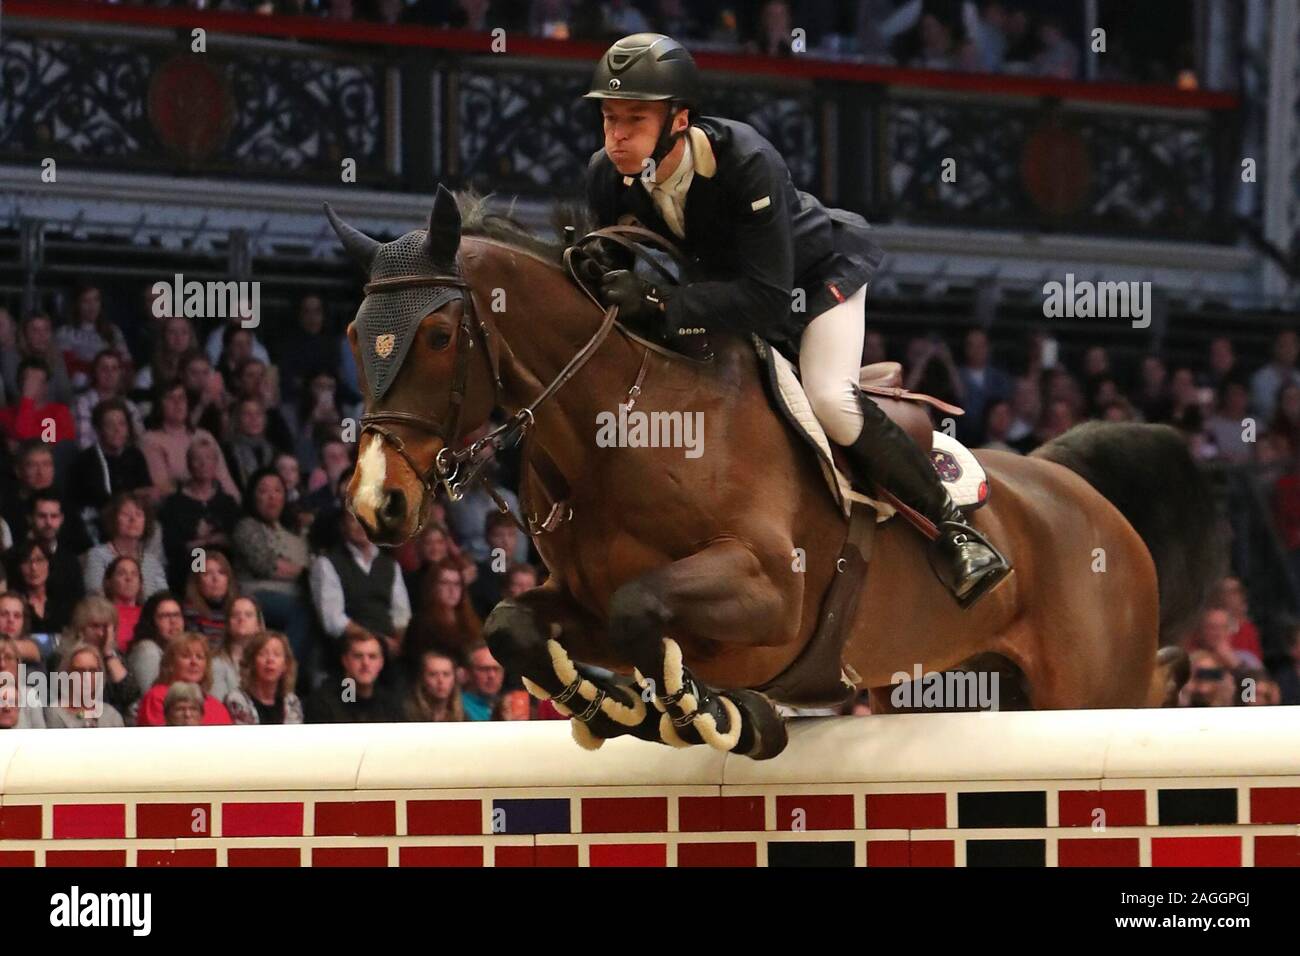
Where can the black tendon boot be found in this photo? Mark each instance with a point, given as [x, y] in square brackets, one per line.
[962, 558]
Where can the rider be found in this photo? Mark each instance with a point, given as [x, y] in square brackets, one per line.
[771, 260]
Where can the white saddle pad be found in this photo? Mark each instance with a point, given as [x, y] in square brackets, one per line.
[956, 466]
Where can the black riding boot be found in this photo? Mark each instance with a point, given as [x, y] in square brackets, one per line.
[962, 558]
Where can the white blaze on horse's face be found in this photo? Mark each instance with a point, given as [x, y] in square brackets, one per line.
[372, 470]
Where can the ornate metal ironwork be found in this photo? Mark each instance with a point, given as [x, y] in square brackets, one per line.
[290, 115]
[524, 131]
[1047, 167]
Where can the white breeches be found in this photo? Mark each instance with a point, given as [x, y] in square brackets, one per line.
[830, 359]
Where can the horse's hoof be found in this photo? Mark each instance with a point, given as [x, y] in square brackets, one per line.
[583, 736]
[762, 730]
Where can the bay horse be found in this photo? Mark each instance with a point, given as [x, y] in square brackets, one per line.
[677, 576]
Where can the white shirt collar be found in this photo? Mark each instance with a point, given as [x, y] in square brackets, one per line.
[679, 182]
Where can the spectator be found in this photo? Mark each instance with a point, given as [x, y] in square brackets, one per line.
[446, 620]
[30, 577]
[249, 450]
[502, 537]
[1281, 370]
[335, 458]
[326, 506]
[930, 369]
[1231, 596]
[32, 415]
[184, 659]
[1288, 675]
[11, 714]
[253, 380]
[36, 341]
[1186, 412]
[1286, 510]
[106, 381]
[552, 19]
[1058, 57]
[308, 351]
[1286, 415]
[243, 624]
[1223, 366]
[178, 340]
[270, 560]
[161, 622]
[84, 665]
[358, 589]
[122, 588]
[775, 29]
[483, 689]
[1226, 428]
[621, 17]
[200, 516]
[206, 391]
[435, 695]
[267, 679]
[1216, 634]
[209, 594]
[520, 579]
[359, 698]
[166, 443]
[184, 705]
[1153, 399]
[47, 528]
[467, 517]
[1211, 683]
[88, 333]
[35, 471]
[998, 420]
[982, 384]
[16, 626]
[1058, 420]
[127, 527]
[316, 417]
[990, 36]
[14, 677]
[94, 623]
[229, 343]
[110, 466]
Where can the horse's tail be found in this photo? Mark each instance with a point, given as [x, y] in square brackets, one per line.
[1147, 472]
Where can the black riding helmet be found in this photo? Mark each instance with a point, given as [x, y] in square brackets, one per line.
[648, 66]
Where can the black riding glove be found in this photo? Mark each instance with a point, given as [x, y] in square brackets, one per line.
[638, 301]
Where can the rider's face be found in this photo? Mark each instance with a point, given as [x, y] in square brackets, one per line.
[631, 131]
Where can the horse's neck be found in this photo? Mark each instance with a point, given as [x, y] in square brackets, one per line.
[539, 341]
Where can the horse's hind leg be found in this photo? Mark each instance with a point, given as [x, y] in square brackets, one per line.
[528, 636]
[719, 594]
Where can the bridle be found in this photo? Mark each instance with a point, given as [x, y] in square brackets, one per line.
[458, 469]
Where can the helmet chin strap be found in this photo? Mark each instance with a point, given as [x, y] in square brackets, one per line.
[667, 138]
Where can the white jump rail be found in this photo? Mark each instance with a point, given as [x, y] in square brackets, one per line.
[1116, 787]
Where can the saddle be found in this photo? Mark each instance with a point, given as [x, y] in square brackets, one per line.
[956, 467]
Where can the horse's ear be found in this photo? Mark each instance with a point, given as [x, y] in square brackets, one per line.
[444, 228]
[359, 246]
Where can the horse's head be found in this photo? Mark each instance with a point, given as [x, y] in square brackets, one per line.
[427, 371]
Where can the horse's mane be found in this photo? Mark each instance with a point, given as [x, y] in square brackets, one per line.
[477, 219]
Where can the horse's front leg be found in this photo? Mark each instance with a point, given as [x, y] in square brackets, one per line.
[720, 593]
[531, 635]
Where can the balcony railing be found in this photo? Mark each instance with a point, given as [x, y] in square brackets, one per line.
[294, 99]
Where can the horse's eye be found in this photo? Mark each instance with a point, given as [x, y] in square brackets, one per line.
[440, 339]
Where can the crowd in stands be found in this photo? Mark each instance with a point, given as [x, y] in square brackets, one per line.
[1028, 37]
[172, 517]
[172, 524]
